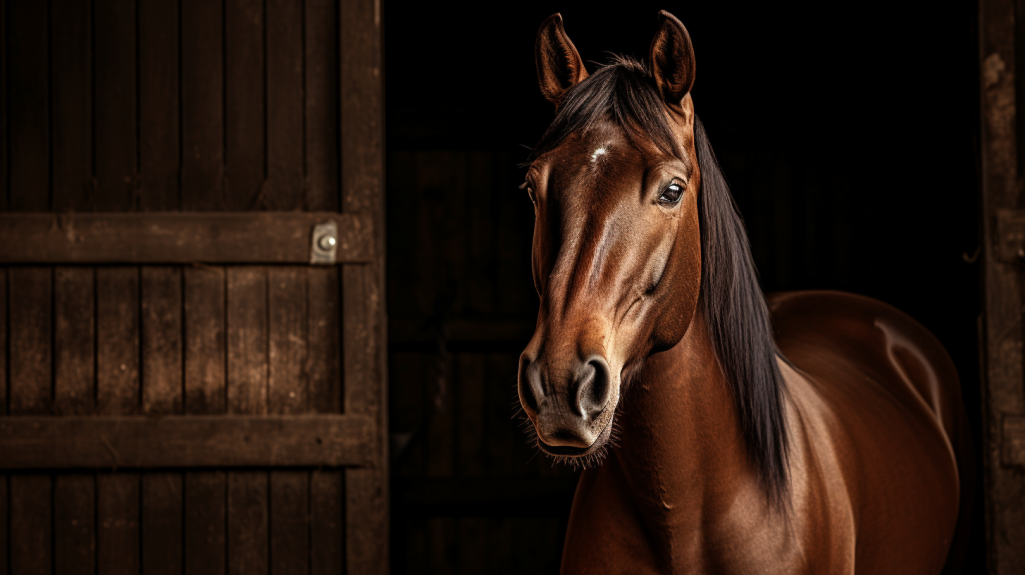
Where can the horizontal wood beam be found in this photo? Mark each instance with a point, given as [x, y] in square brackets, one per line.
[178, 238]
[186, 441]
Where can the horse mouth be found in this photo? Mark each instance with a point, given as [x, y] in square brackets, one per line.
[570, 451]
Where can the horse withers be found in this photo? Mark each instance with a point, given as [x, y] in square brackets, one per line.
[816, 432]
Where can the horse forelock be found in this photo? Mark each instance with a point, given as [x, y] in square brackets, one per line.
[624, 93]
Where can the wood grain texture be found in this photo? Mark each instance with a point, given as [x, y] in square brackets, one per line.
[117, 521]
[159, 144]
[74, 352]
[194, 441]
[29, 328]
[115, 150]
[245, 164]
[4, 171]
[117, 340]
[74, 522]
[28, 117]
[156, 238]
[202, 105]
[4, 517]
[205, 517]
[3, 342]
[285, 144]
[31, 529]
[323, 153]
[248, 491]
[361, 98]
[323, 363]
[290, 525]
[161, 523]
[71, 105]
[162, 340]
[327, 522]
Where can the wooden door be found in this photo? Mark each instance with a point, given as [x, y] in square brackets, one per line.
[1002, 37]
[191, 242]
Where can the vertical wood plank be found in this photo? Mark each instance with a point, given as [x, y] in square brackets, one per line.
[28, 113]
[202, 105]
[159, 146]
[161, 511]
[30, 525]
[3, 341]
[115, 105]
[4, 191]
[30, 314]
[71, 58]
[323, 367]
[285, 104]
[289, 509]
[248, 528]
[205, 506]
[161, 524]
[161, 340]
[322, 124]
[74, 360]
[4, 516]
[117, 393]
[244, 89]
[362, 128]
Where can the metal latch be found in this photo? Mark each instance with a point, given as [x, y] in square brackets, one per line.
[324, 244]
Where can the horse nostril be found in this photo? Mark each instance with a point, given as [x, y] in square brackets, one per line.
[593, 388]
[529, 383]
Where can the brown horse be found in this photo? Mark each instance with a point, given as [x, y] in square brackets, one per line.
[818, 432]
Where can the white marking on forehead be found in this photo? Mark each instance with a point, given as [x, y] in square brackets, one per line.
[598, 152]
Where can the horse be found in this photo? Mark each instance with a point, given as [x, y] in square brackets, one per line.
[718, 430]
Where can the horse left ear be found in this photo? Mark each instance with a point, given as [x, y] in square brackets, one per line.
[672, 59]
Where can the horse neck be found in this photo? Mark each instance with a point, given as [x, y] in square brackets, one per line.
[681, 449]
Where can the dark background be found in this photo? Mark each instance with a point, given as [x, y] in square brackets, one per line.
[847, 131]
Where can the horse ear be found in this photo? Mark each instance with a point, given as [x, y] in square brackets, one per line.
[672, 59]
[559, 66]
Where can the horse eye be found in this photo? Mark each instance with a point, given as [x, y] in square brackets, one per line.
[671, 194]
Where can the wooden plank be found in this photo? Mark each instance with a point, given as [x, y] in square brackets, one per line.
[161, 506]
[323, 128]
[159, 145]
[74, 358]
[366, 509]
[115, 144]
[74, 536]
[155, 238]
[117, 395]
[288, 394]
[161, 340]
[3, 339]
[5, 552]
[30, 524]
[323, 367]
[30, 313]
[285, 160]
[161, 523]
[248, 491]
[327, 522]
[205, 377]
[134, 442]
[71, 106]
[117, 520]
[202, 105]
[361, 99]
[28, 115]
[244, 110]
[4, 172]
[360, 389]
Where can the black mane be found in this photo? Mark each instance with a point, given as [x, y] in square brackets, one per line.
[731, 299]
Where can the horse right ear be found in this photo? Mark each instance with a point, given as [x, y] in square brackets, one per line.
[672, 59]
[559, 66]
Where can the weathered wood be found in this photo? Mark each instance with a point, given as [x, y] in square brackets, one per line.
[202, 105]
[3, 341]
[4, 516]
[74, 357]
[1004, 394]
[154, 238]
[327, 522]
[71, 106]
[31, 532]
[284, 105]
[323, 362]
[161, 523]
[4, 171]
[117, 340]
[192, 441]
[161, 340]
[289, 516]
[205, 523]
[30, 316]
[322, 126]
[115, 143]
[248, 526]
[245, 114]
[159, 145]
[1013, 439]
[74, 521]
[117, 521]
[28, 118]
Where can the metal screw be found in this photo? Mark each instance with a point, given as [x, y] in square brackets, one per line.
[327, 242]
